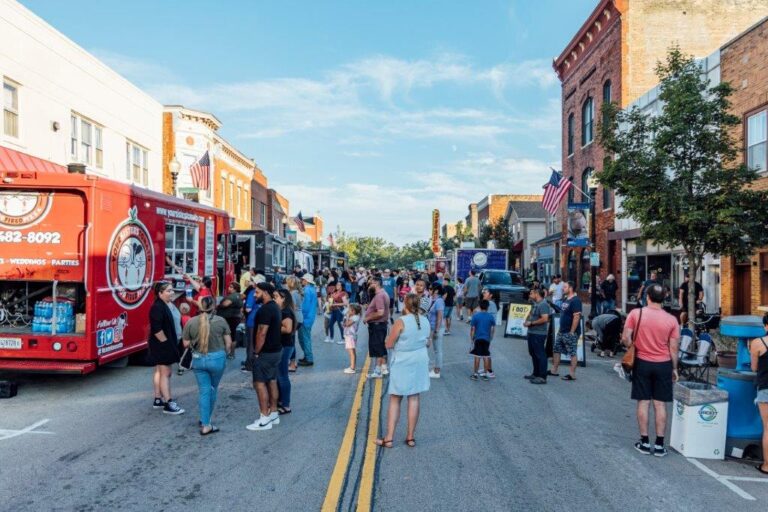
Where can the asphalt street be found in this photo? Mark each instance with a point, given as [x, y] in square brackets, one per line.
[95, 443]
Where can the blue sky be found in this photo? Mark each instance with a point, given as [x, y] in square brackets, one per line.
[372, 113]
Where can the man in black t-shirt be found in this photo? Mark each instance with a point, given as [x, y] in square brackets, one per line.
[682, 297]
[450, 301]
[267, 349]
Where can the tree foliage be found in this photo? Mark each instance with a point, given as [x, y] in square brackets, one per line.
[678, 173]
[463, 234]
[376, 252]
[499, 232]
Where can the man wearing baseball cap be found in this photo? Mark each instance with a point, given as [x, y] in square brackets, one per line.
[309, 311]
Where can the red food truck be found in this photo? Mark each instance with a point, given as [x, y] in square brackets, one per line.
[79, 255]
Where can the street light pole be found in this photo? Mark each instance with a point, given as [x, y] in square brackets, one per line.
[174, 167]
[592, 184]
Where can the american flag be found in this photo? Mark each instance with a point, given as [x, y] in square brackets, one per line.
[299, 220]
[554, 192]
[200, 172]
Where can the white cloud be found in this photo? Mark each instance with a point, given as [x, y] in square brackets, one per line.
[378, 102]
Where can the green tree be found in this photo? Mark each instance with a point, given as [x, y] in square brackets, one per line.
[678, 173]
[409, 253]
[499, 232]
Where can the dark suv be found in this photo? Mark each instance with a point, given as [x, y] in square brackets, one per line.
[504, 285]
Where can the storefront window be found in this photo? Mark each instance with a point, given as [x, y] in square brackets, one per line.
[635, 276]
[586, 270]
[662, 264]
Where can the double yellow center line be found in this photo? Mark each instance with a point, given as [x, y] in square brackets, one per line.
[344, 459]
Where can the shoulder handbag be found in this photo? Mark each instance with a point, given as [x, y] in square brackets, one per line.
[628, 361]
[185, 363]
[188, 356]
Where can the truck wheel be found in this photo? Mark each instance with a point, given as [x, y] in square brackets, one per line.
[118, 363]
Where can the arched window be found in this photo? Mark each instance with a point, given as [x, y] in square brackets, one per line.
[606, 95]
[585, 181]
[571, 129]
[572, 262]
[587, 121]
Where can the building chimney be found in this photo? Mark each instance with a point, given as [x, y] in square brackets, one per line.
[76, 168]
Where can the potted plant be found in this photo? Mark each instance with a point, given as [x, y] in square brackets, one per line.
[726, 350]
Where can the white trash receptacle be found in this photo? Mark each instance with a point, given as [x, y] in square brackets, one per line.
[699, 420]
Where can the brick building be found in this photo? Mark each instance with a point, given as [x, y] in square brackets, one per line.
[744, 63]
[612, 58]
[314, 227]
[277, 212]
[259, 200]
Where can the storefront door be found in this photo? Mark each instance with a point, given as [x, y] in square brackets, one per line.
[743, 289]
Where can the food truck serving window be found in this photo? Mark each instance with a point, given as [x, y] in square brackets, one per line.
[181, 247]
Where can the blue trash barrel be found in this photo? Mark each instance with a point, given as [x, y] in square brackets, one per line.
[743, 416]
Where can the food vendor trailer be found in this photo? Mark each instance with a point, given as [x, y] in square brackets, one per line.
[79, 255]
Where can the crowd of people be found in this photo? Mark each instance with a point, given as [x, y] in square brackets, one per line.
[268, 315]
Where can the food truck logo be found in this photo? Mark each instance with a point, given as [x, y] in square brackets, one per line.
[130, 262]
[22, 210]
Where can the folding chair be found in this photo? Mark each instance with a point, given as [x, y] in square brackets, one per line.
[695, 366]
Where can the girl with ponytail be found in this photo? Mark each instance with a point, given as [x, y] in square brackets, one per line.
[210, 338]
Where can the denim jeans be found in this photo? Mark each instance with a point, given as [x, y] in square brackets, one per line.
[283, 382]
[208, 371]
[337, 317]
[305, 339]
[606, 305]
[437, 346]
[537, 349]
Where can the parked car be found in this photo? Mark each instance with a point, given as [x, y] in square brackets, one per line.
[505, 286]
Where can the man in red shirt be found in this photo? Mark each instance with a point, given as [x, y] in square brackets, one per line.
[656, 336]
[377, 318]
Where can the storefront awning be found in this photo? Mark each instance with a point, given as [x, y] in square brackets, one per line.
[16, 161]
[518, 247]
[551, 239]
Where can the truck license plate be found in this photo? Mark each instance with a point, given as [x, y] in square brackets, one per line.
[14, 343]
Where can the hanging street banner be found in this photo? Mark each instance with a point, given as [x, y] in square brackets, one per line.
[578, 224]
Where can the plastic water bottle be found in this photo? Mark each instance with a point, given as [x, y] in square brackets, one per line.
[34, 320]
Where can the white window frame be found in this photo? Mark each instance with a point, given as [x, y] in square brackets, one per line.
[187, 254]
[262, 214]
[754, 127]
[88, 152]
[137, 163]
[11, 111]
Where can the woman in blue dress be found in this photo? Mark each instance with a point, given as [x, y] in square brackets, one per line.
[408, 369]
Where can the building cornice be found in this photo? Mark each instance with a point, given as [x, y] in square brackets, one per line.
[603, 17]
[198, 116]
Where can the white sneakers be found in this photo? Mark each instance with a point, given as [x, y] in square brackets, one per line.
[433, 375]
[340, 342]
[265, 422]
[376, 373]
[349, 371]
[384, 369]
[327, 340]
